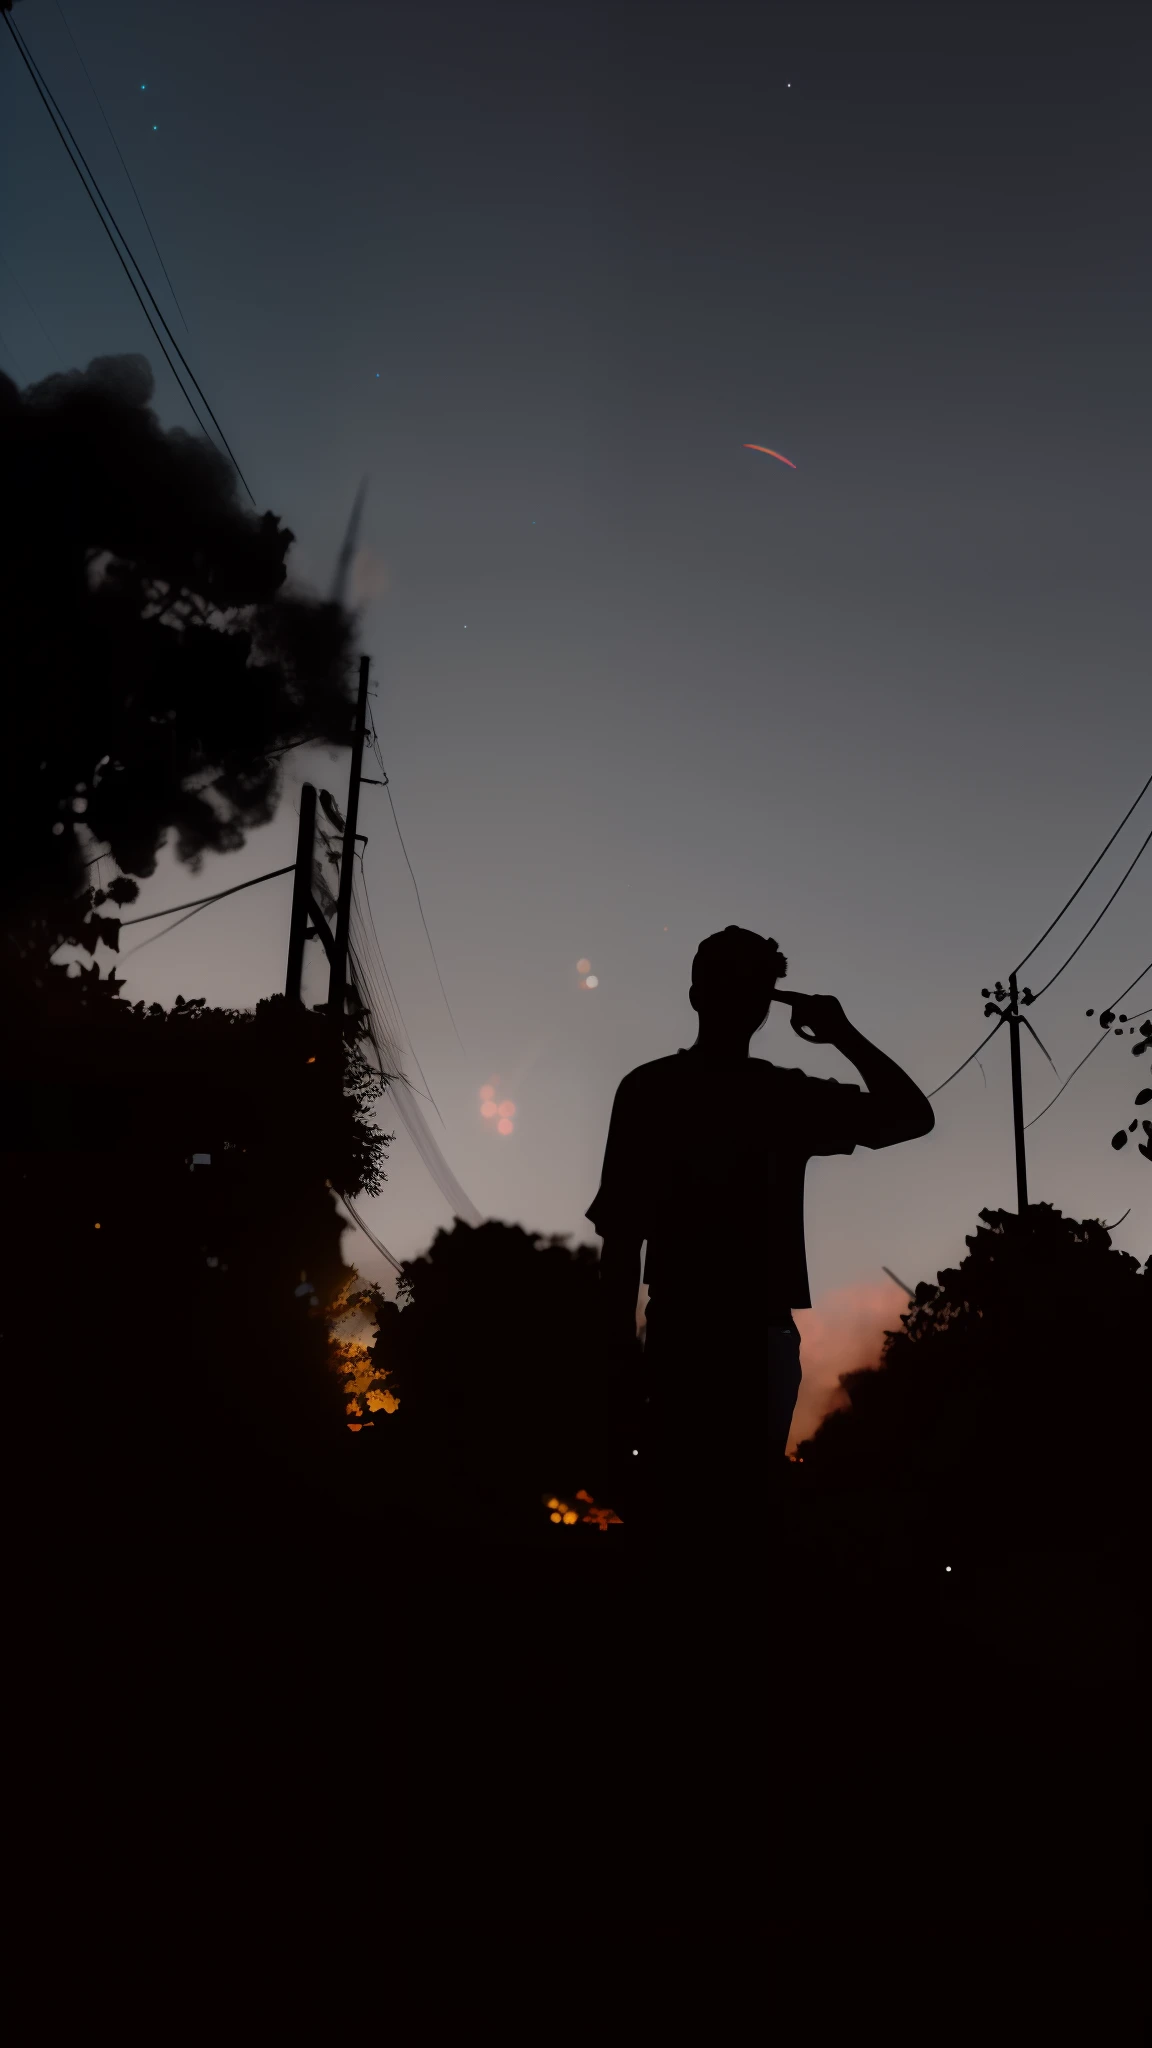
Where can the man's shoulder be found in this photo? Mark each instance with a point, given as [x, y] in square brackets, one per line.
[653, 1076]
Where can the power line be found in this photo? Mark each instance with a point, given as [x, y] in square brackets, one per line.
[198, 902]
[193, 910]
[1095, 921]
[375, 745]
[369, 1234]
[388, 985]
[1076, 891]
[98, 200]
[127, 172]
[1094, 1047]
[1131, 985]
[969, 1060]
[424, 921]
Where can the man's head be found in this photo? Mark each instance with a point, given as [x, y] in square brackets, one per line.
[733, 976]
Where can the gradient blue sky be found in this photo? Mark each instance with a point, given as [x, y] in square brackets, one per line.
[539, 273]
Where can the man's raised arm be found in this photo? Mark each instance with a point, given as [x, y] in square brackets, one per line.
[901, 1109]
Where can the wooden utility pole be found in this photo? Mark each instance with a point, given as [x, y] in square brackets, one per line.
[1013, 1016]
[337, 981]
[301, 892]
[1012, 997]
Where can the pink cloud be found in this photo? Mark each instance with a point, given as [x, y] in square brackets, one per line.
[842, 1331]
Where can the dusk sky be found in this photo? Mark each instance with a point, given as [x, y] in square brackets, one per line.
[539, 272]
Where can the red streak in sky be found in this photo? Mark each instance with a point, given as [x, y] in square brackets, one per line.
[768, 451]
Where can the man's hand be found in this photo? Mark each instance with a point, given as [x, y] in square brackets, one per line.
[820, 1020]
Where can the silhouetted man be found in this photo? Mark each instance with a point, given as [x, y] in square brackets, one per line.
[705, 1166]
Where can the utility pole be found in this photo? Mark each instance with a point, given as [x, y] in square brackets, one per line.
[1013, 1014]
[338, 978]
[1012, 997]
[301, 892]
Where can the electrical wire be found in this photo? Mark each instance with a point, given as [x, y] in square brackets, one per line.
[1076, 891]
[1095, 1045]
[120, 154]
[389, 1009]
[1131, 985]
[375, 745]
[387, 981]
[424, 921]
[152, 938]
[413, 1120]
[1095, 921]
[193, 911]
[393, 1261]
[968, 1061]
[393, 1039]
[198, 902]
[98, 200]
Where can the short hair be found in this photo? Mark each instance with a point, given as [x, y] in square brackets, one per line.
[734, 957]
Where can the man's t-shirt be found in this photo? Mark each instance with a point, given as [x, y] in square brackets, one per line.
[706, 1161]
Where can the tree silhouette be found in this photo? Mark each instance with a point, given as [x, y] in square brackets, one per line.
[493, 1351]
[1010, 1408]
[156, 662]
[169, 1178]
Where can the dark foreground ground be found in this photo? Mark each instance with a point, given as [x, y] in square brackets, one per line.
[359, 1716]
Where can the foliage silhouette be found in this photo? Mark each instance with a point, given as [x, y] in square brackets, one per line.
[982, 1425]
[493, 1354]
[156, 659]
[200, 1290]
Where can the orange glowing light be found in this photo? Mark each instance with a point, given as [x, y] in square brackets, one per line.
[311, 1060]
[601, 1517]
[95, 1226]
[505, 1127]
[583, 967]
[489, 1109]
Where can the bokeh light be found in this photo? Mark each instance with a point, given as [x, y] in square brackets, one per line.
[583, 967]
[592, 981]
[507, 1109]
[505, 1127]
[489, 1109]
[487, 1092]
